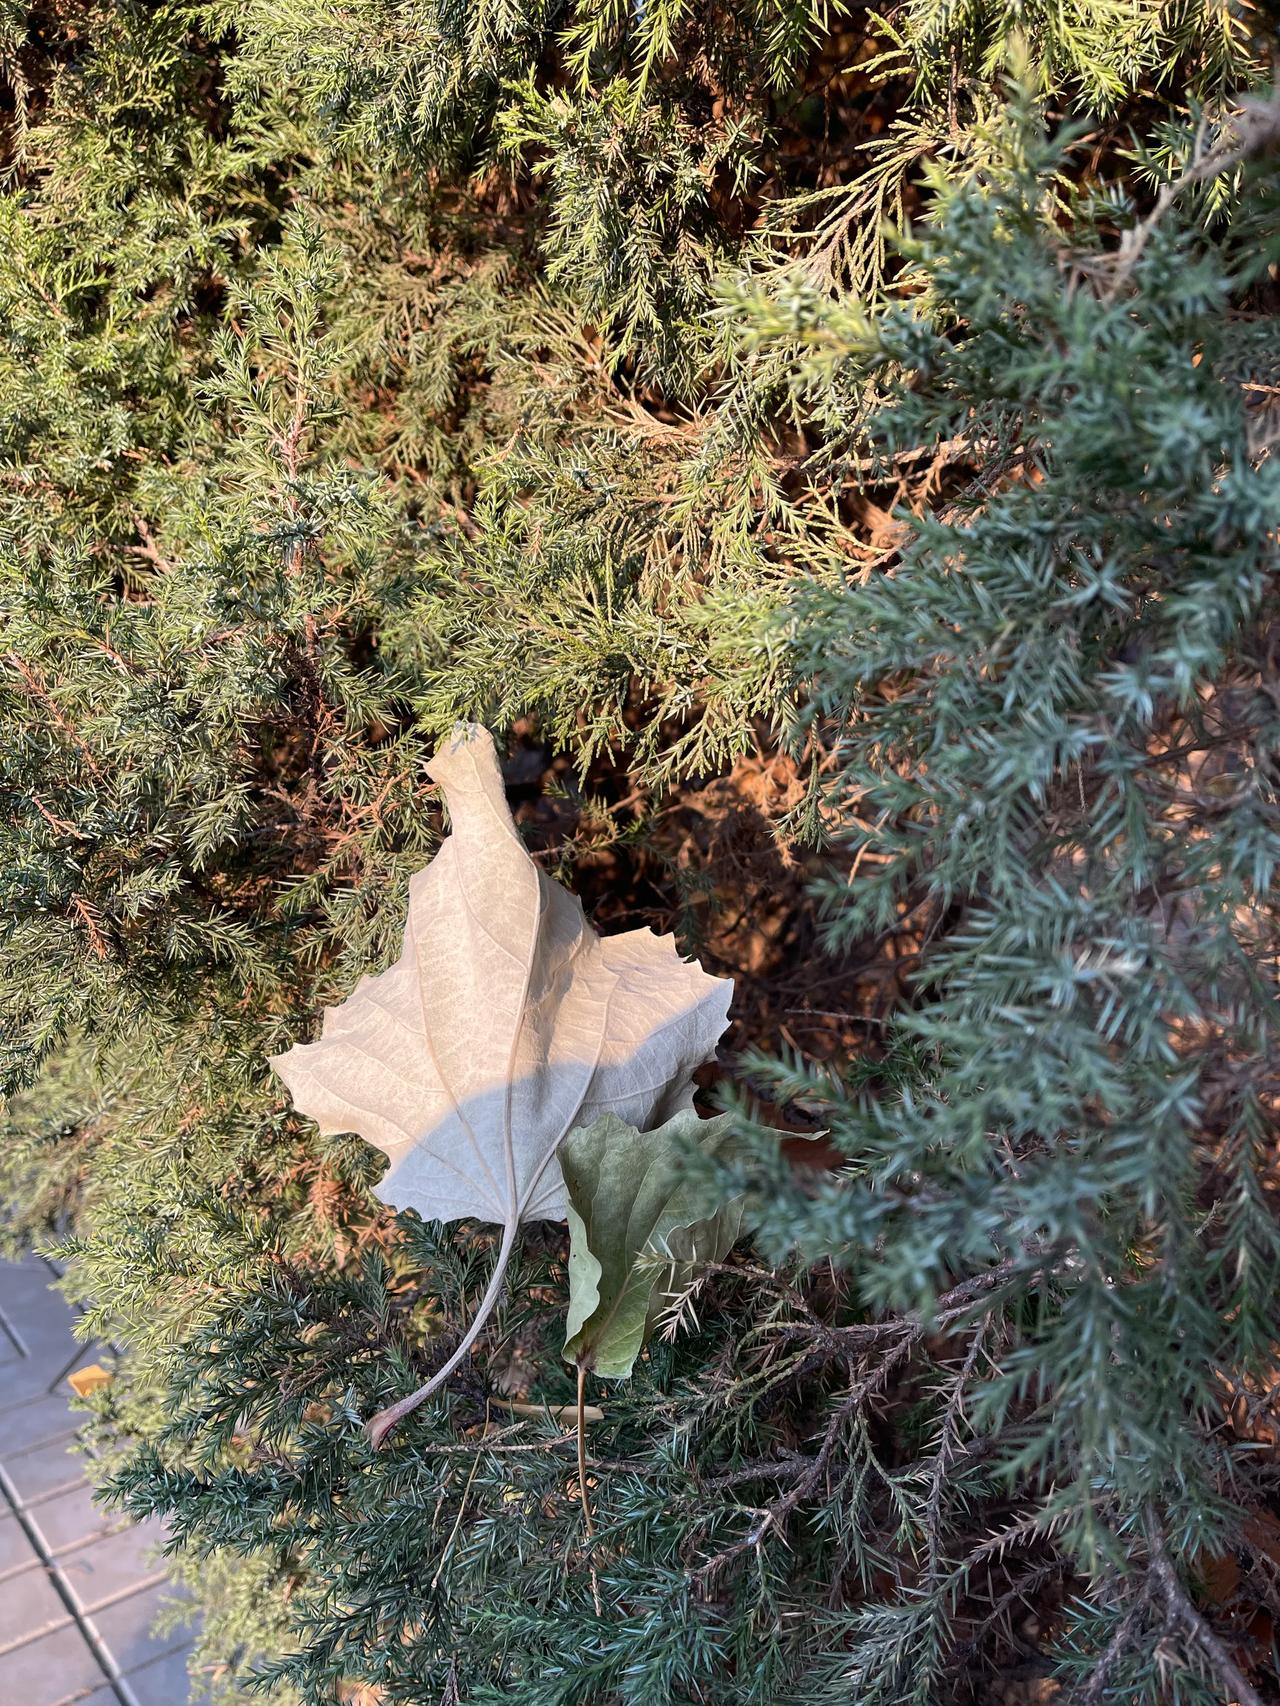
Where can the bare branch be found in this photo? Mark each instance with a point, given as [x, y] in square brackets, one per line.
[1257, 127]
[1182, 1611]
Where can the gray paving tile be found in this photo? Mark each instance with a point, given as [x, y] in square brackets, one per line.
[125, 1628]
[29, 1302]
[108, 1569]
[35, 1378]
[39, 1422]
[54, 1671]
[16, 1550]
[69, 1519]
[29, 1606]
[24, 1280]
[27, 1299]
[33, 1307]
[44, 1469]
[50, 1343]
[166, 1682]
[105, 1696]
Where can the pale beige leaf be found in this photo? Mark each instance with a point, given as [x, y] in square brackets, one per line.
[505, 1021]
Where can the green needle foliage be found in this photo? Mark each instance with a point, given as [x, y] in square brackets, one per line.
[896, 614]
[1057, 755]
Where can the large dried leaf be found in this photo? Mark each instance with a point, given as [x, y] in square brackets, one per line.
[639, 1228]
[505, 1021]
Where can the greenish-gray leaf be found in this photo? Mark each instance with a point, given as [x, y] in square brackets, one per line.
[631, 1202]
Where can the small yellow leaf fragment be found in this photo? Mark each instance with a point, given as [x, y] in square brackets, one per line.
[87, 1380]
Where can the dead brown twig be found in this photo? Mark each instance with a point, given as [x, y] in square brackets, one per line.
[899, 1337]
[1181, 1611]
[773, 1515]
[40, 693]
[1257, 126]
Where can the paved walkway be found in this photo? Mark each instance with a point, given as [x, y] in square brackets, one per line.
[79, 1590]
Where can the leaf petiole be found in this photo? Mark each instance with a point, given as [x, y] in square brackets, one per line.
[379, 1427]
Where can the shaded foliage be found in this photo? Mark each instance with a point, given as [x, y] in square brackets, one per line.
[895, 618]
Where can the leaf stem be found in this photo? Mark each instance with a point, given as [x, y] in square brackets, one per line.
[379, 1427]
[582, 1483]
